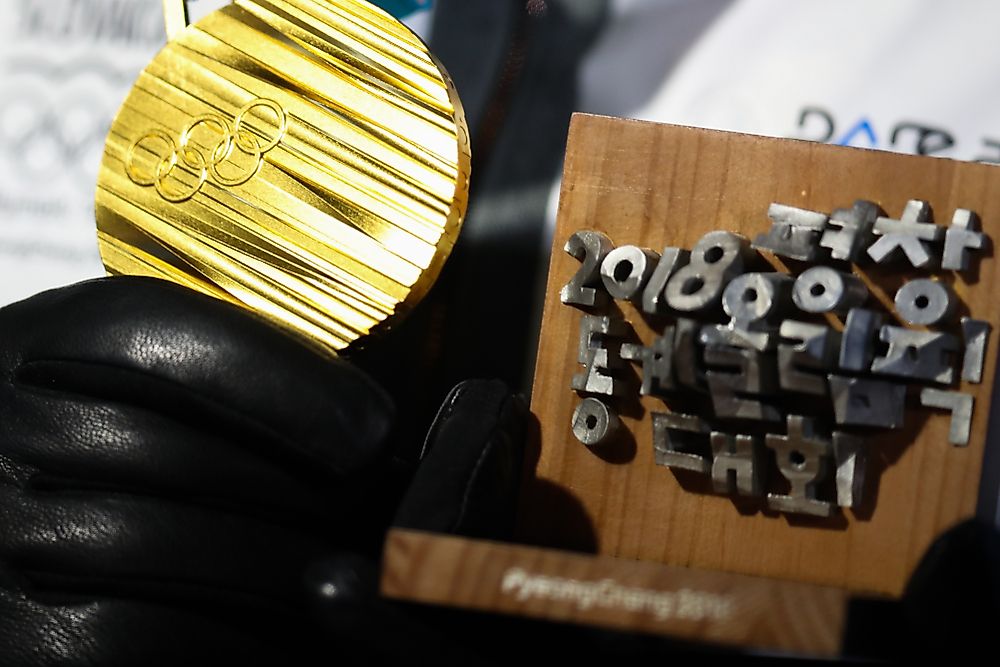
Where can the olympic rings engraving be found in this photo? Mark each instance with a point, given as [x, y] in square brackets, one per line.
[203, 161]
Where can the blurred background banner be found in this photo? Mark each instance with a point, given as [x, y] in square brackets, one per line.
[403, 9]
[65, 66]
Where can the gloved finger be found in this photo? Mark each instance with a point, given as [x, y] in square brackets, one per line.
[952, 602]
[58, 630]
[162, 347]
[470, 472]
[154, 548]
[68, 441]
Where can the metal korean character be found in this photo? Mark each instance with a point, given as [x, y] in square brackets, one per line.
[959, 404]
[733, 392]
[681, 441]
[975, 334]
[815, 347]
[825, 290]
[921, 355]
[715, 259]
[795, 232]
[849, 230]
[908, 235]
[594, 423]
[688, 354]
[657, 363]
[752, 301]
[737, 464]
[867, 402]
[961, 236]
[626, 270]
[590, 248]
[654, 301]
[857, 344]
[599, 361]
[803, 458]
[851, 458]
[925, 302]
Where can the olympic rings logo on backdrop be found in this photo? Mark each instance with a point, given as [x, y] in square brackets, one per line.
[235, 157]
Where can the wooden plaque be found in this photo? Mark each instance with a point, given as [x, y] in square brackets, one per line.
[654, 186]
[764, 579]
[548, 584]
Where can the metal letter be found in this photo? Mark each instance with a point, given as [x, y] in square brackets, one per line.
[715, 259]
[923, 355]
[855, 226]
[963, 235]
[653, 298]
[924, 301]
[867, 402]
[976, 334]
[657, 363]
[737, 464]
[594, 422]
[626, 270]
[851, 457]
[751, 300]
[590, 248]
[795, 232]
[857, 345]
[960, 405]
[681, 441]
[687, 354]
[732, 392]
[815, 348]
[908, 235]
[825, 290]
[803, 459]
[597, 359]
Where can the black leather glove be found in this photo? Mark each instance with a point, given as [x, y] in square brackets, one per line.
[180, 482]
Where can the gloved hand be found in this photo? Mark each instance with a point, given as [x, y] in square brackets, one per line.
[181, 482]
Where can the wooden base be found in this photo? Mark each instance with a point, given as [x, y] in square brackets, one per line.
[697, 605]
[655, 185]
[674, 557]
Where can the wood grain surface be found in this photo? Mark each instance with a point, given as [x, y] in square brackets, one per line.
[543, 583]
[657, 185]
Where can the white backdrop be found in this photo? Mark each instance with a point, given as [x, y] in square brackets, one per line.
[65, 66]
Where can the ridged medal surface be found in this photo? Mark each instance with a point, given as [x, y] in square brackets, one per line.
[308, 160]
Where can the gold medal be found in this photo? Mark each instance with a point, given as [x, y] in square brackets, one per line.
[308, 159]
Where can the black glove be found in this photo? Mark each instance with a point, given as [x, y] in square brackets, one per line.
[949, 610]
[180, 482]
